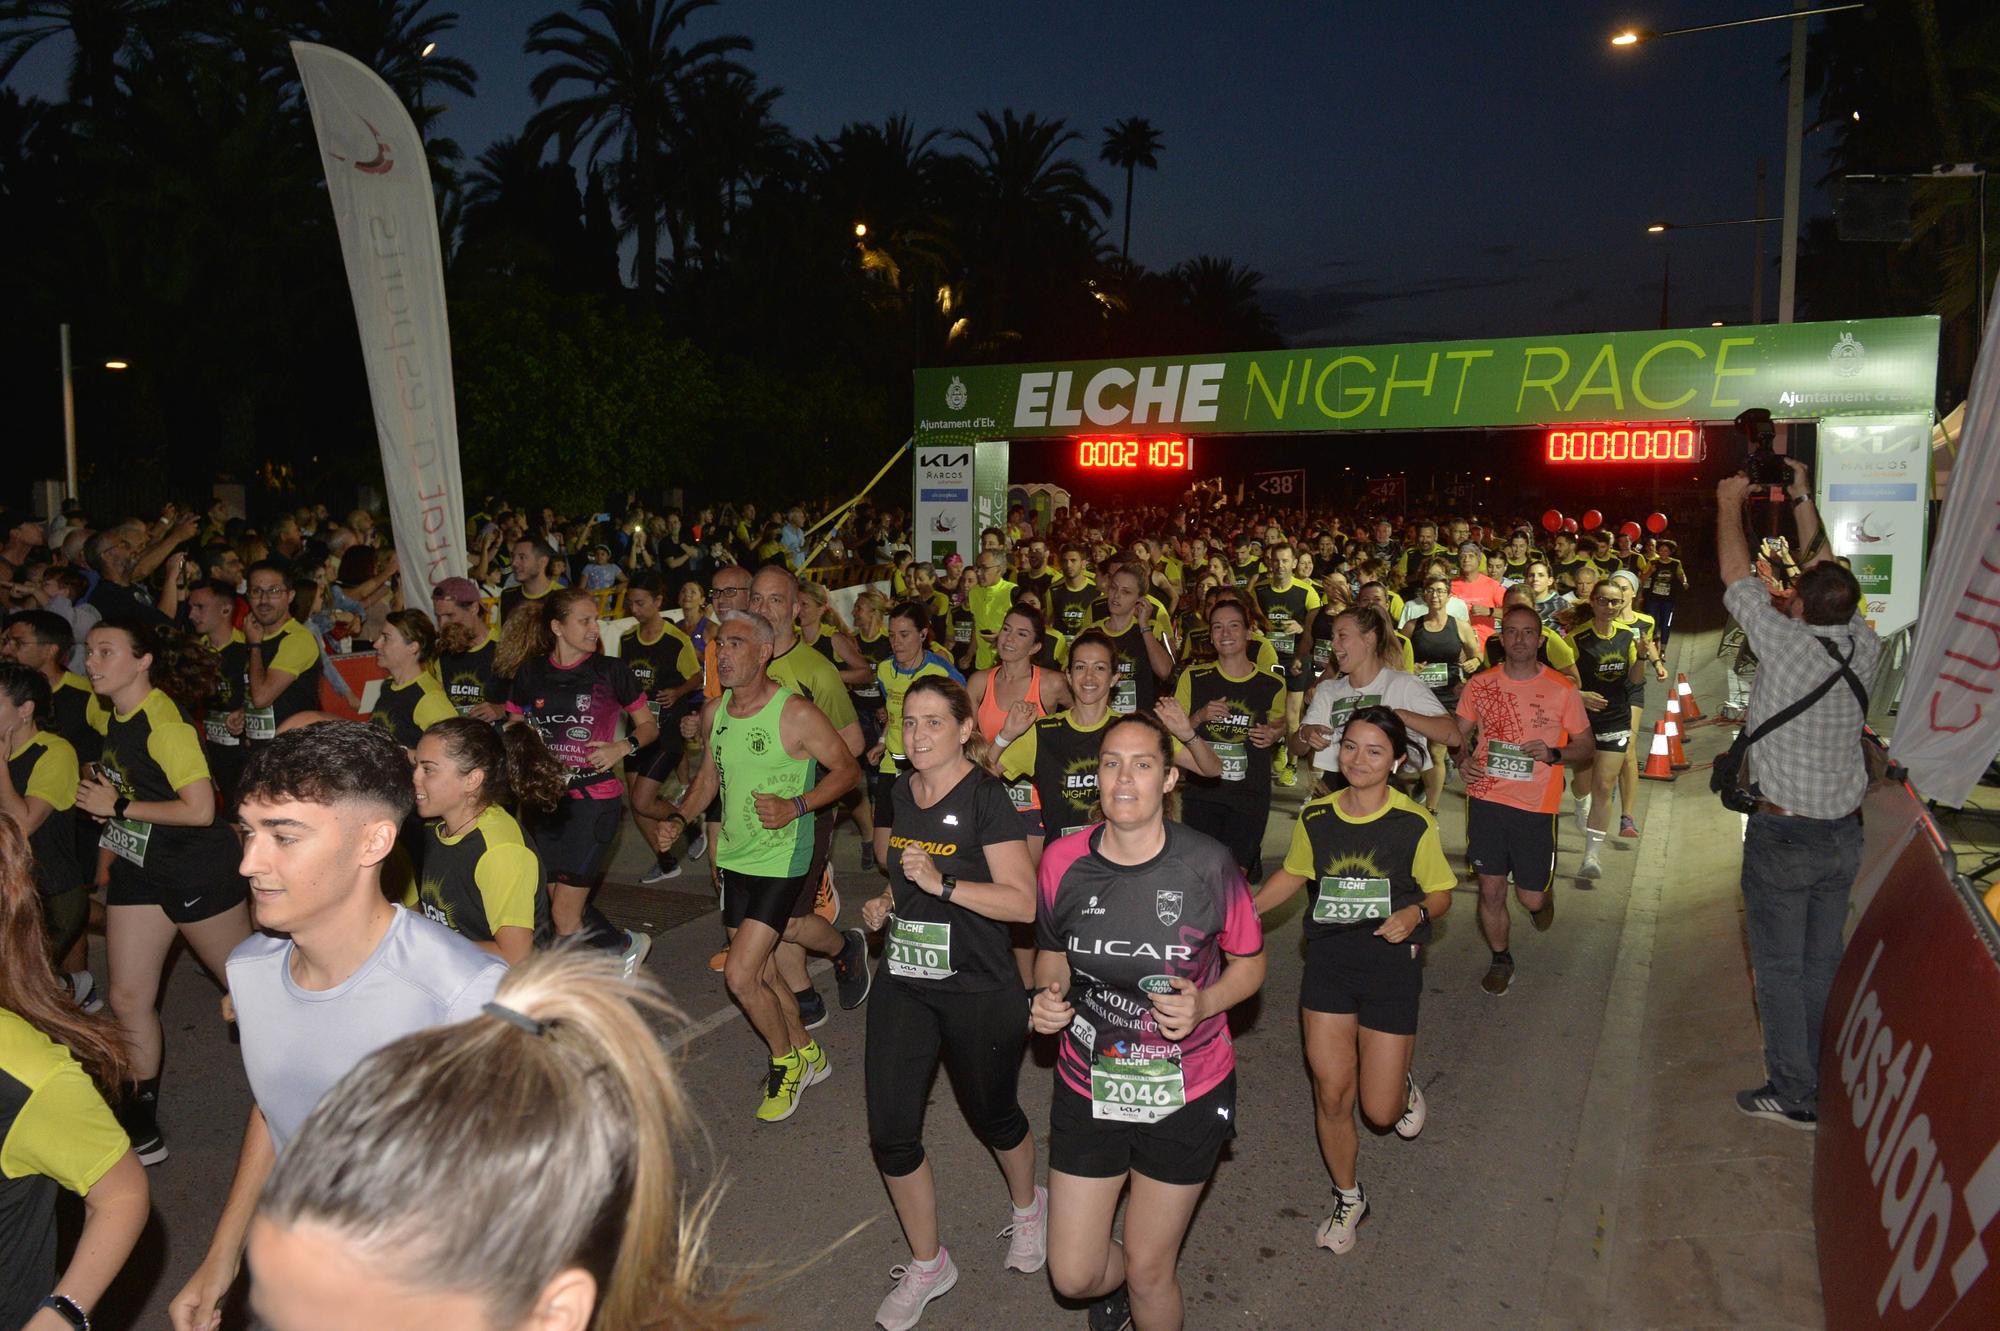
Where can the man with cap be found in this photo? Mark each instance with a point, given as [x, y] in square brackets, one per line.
[26, 539]
[465, 661]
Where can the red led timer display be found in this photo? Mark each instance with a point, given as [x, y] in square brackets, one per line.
[1175, 454]
[1625, 443]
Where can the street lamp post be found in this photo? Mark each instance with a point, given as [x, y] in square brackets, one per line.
[69, 417]
[1795, 126]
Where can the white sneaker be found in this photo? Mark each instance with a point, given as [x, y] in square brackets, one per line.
[1590, 868]
[1583, 815]
[1415, 1113]
[699, 846]
[1336, 1232]
[83, 990]
[915, 1288]
[1028, 1237]
[660, 873]
[637, 945]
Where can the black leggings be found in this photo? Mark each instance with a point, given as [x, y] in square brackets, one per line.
[981, 1037]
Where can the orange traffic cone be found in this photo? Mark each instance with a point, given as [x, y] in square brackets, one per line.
[1690, 709]
[1674, 749]
[1659, 763]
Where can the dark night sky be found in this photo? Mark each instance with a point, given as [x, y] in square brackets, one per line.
[1395, 170]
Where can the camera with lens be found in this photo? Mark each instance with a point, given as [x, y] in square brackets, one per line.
[1764, 467]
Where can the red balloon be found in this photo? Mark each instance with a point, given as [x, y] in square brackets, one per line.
[1592, 519]
[1630, 529]
[1569, 525]
[1552, 520]
[1656, 523]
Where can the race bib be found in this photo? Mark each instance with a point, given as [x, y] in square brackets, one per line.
[1349, 900]
[1435, 674]
[919, 949]
[1135, 1090]
[1322, 652]
[1615, 737]
[1284, 644]
[653, 706]
[127, 840]
[1125, 692]
[1022, 793]
[1345, 708]
[1235, 756]
[260, 723]
[215, 730]
[961, 631]
[1508, 762]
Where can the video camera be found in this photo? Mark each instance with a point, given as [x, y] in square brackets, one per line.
[1764, 467]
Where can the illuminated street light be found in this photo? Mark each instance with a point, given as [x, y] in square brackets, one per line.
[117, 365]
[1655, 228]
[860, 230]
[1630, 37]
[425, 54]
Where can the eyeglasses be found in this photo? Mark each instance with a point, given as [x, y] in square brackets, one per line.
[268, 593]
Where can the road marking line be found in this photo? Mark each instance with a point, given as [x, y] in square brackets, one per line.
[721, 1017]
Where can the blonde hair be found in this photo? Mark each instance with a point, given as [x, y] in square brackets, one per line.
[488, 1157]
[978, 749]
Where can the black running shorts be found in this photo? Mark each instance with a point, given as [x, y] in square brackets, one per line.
[1355, 972]
[1181, 1148]
[1501, 840]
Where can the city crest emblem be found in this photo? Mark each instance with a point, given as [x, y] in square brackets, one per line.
[1168, 906]
[1847, 356]
[954, 396]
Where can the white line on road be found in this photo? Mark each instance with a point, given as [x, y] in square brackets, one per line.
[723, 1016]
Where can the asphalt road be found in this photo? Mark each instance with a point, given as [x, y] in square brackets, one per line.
[1462, 1221]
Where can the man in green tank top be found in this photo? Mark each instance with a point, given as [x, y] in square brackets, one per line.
[776, 761]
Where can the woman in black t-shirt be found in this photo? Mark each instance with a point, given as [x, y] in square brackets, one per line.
[959, 873]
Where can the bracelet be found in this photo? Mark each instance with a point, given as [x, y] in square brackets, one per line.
[68, 1309]
[799, 803]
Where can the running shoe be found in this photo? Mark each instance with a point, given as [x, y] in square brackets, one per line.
[868, 857]
[812, 1009]
[637, 946]
[1336, 1232]
[850, 971]
[915, 1287]
[817, 1062]
[1415, 1113]
[151, 1151]
[1113, 1312]
[826, 901]
[1583, 815]
[1626, 827]
[1498, 976]
[699, 846]
[1288, 776]
[1764, 1103]
[660, 873]
[83, 991]
[1546, 916]
[782, 1085]
[719, 960]
[1028, 1237]
[1590, 868]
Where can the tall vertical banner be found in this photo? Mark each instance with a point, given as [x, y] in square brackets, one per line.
[380, 186]
[1874, 488]
[1948, 728]
[958, 490]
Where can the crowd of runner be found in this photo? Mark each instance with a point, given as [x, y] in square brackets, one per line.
[1061, 757]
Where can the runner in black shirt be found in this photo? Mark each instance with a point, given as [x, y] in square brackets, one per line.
[211, 605]
[1240, 710]
[411, 700]
[1148, 938]
[1377, 876]
[1071, 596]
[948, 987]
[663, 662]
[466, 651]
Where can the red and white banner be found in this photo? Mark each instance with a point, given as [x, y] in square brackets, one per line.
[380, 186]
[1948, 728]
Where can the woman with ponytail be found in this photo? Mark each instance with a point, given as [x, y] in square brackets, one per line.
[172, 864]
[413, 698]
[519, 1169]
[58, 1066]
[479, 873]
[948, 988]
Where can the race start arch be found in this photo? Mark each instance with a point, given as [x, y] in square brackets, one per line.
[1870, 384]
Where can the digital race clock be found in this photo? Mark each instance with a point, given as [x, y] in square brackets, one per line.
[1626, 443]
[1171, 454]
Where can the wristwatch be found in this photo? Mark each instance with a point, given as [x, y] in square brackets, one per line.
[631, 744]
[945, 885]
[1423, 914]
[118, 807]
[68, 1309]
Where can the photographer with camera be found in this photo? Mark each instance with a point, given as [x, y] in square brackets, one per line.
[1806, 773]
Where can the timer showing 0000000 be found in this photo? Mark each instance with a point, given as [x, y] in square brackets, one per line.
[1135, 454]
[1626, 443]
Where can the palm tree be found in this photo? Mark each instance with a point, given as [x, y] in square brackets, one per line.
[632, 75]
[1221, 302]
[392, 37]
[1131, 144]
[99, 31]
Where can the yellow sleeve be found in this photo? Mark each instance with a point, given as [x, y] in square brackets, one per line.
[1395, 607]
[1267, 655]
[836, 703]
[1299, 855]
[507, 880]
[296, 654]
[1431, 869]
[96, 715]
[432, 705]
[54, 778]
[1409, 655]
[1562, 655]
[1314, 600]
[1018, 760]
[64, 1132]
[689, 664]
[1184, 690]
[177, 750]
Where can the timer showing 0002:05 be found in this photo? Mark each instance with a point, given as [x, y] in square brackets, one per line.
[1172, 454]
[1625, 443]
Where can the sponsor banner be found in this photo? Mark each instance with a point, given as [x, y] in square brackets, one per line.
[959, 490]
[1906, 1168]
[1798, 371]
[1874, 503]
[380, 187]
[1948, 726]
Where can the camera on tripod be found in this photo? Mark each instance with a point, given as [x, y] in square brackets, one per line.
[1764, 467]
